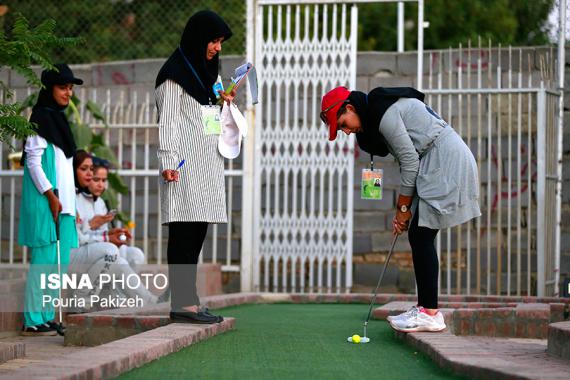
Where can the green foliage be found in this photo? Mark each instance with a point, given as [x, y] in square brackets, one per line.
[514, 22]
[120, 30]
[23, 48]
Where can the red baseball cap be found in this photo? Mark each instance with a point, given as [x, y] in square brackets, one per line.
[331, 103]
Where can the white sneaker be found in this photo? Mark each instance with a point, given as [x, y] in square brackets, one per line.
[404, 315]
[419, 320]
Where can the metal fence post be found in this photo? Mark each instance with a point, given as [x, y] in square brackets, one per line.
[541, 191]
[560, 147]
[419, 85]
[246, 270]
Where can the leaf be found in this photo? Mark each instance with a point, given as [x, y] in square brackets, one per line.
[105, 152]
[75, 100]
[96, 112]
[123, 218]
[110, 197]
[116, 183]
[29, 102]
[97, 140]
[82, 135]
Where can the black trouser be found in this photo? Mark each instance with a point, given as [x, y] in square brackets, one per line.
[185, 241]
[426, 264]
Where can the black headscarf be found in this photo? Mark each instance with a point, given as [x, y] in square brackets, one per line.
[202, 28]
[49, 116]
[371, 108]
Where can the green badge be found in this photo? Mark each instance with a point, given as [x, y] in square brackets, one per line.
[211, 120]
[371, 186]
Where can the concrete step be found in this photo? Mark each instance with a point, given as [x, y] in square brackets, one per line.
[11, 351]
[559, 340]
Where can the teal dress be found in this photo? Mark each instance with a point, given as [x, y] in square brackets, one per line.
[37, 232]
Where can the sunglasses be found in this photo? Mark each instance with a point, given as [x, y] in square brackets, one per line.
[324, 112]
[100, 162]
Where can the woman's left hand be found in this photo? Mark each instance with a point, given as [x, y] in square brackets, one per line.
[228, 98]
[401, 222]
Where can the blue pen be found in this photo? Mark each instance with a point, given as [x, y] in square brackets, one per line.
[180, 164]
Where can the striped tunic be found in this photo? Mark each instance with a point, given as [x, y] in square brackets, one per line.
[200, 195]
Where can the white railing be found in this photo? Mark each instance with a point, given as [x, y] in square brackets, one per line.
[133, 136]
[509, 119]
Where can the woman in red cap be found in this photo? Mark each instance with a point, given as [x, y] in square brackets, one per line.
[439, 185]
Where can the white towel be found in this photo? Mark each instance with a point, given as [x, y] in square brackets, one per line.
[234, 127]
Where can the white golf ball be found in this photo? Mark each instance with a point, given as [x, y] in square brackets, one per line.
[122, 237]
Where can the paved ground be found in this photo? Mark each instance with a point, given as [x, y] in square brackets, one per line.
[39, 349]
[491, 358]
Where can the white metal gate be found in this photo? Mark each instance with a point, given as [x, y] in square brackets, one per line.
[303, 184]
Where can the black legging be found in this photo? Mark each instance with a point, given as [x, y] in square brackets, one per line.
[185, 241]
[426, 264]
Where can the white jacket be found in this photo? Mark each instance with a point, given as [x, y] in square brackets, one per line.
[87, 209]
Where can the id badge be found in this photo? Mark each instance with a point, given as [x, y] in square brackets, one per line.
[211, 118]
[371, 185]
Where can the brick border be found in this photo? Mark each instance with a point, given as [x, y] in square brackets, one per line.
[94, 329]
[112, 359]
[516, 320]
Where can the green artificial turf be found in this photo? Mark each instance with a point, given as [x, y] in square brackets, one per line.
[292, 341]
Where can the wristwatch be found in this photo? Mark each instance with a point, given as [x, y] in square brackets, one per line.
[403, 208]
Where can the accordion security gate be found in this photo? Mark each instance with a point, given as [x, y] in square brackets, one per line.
[303, 184]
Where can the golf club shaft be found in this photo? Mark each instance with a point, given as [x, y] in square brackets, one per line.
[380, 279]
[59, 288]
[58, 262]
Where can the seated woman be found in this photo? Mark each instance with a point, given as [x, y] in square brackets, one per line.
[98, 251]
[99, 222]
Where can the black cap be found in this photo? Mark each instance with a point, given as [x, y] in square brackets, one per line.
[63, 75]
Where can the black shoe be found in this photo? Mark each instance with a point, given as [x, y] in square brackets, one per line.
[205, 310]
[190, 317]
[38, 330]
[57, 327]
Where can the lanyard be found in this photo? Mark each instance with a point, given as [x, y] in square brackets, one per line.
[194, 72]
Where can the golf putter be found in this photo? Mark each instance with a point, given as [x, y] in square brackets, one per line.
[364, 338]
[60, 329]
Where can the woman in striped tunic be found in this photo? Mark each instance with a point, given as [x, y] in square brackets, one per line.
[192, 186]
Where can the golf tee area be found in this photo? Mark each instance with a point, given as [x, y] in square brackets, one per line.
[289, 341]
[285, 336]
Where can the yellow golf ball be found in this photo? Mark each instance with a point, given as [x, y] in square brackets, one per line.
[356, 339]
